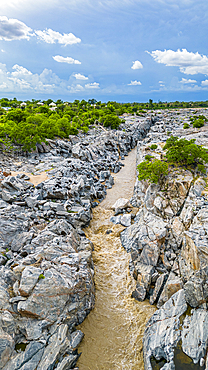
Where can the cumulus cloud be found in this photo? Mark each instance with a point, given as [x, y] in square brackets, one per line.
[76, 88]
[69, 60]
[20, 79]
[78, 76]
[20, 71]
[204, 83]
[3, 51]
[51, 37]
[93, 85]
[189, 81]
[188, 62]
[137, 65]
[135, 83]
[12, 29]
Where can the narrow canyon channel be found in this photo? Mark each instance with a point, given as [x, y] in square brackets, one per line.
[114, 329]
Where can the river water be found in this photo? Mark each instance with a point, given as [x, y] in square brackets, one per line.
[114, 329]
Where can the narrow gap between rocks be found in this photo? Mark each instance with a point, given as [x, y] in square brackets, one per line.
[114, 329]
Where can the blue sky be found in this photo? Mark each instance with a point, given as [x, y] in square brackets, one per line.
[123, 50]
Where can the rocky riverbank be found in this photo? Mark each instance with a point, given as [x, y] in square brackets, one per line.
[169, 247]
[46, 271]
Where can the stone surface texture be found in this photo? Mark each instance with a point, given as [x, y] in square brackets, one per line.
[168, 243]
[46, 266]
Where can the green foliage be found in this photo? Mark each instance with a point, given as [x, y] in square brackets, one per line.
[85, 129]
[152, 170]
[27, 130]
[41, 276]
[35, 123]
[148, 157]
[201, 116]
[153, 146]
[185, 152]
[186, 125]
[198, 123]
[111, 121]
[179, 152]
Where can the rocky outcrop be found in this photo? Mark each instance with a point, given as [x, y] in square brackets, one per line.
[46, 267]
[168, 243]
[163, 331]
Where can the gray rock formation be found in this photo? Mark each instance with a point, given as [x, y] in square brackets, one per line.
[168, 246]
[46, 267]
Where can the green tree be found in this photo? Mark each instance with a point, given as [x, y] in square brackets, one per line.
[111, 121]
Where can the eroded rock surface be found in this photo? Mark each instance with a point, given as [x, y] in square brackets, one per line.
[46, 267]
[168, 243]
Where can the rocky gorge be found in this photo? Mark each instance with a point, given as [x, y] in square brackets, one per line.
[47, 285]
[47, 271]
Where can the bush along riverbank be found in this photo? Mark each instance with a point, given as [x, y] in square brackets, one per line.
[46, 272]
[169, 245]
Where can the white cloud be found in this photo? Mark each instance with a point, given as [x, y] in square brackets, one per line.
[94, 85]
[161, 82]
[189, 81]
[3, 51]
[137, 65]
[20, 79]
[51, 37]
[78, 76]
[69, 60]
[12, 29]
[20, 83]
[76, 88]
[134, 83]
[204, 83]
[188, 62]
[20, 71]
[3, 86]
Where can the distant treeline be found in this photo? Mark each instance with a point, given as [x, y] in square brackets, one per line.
[119, 108]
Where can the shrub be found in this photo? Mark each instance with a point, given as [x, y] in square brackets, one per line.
[179, 152]
[198, 123]
[185, 152]
[153, 146]
[201, 116]
[111, 121]
[148, 157]
[152, 170]
[186, 125]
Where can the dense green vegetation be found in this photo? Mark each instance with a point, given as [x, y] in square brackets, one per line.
[31, 122]
[184, 153]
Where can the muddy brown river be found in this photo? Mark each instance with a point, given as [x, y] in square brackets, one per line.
[114, 329]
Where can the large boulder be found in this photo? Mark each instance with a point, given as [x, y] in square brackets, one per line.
[162, 331]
